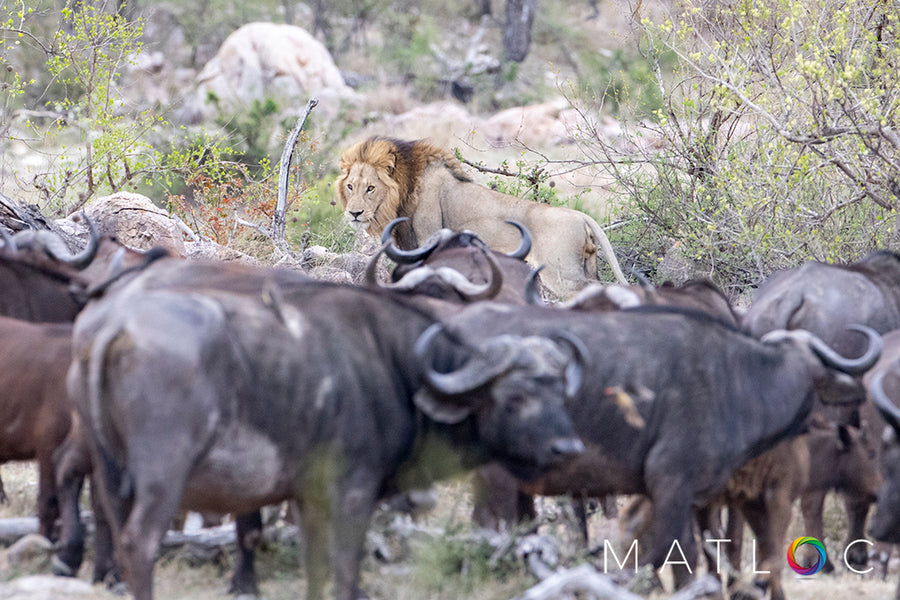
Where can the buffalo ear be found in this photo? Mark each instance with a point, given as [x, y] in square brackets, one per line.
[438, 410]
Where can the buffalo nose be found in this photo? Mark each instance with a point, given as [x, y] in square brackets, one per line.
[567, 447]
[355, 214]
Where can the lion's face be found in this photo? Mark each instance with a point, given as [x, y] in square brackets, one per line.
[368, 196]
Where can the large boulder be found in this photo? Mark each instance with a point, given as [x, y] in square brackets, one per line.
[135, 221]
[271, 60]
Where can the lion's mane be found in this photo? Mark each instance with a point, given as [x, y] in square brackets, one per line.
[399, 163]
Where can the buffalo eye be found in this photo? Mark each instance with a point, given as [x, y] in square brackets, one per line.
[370, 189]
[515, 403]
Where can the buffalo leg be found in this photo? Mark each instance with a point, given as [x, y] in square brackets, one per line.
[48, 502]
[315, 528]
[769, 520]
[156, 503]
[72, 465]
[495, 497]
[812, 505]
[579, 507]
[673, 521]
[105, 568]
[351, 521]
[248, 528]
[857, 512]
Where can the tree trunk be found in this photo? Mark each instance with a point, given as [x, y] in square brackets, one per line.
[517, 30]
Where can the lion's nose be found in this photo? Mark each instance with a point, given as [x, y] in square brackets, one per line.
[355, 214]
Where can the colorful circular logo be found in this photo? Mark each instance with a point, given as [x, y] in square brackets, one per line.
[820, 561]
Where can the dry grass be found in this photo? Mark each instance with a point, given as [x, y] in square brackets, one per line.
[281, 577]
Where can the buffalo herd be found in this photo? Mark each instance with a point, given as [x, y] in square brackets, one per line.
[174, 384]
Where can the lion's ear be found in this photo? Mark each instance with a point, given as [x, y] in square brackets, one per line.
[392, 164]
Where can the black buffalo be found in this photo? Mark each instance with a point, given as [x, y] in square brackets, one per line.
[674, 401]
[249, 386]
[824, 299]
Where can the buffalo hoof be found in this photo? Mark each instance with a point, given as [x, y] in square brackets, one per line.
[858, 557]
[59, 568]
[243, 585]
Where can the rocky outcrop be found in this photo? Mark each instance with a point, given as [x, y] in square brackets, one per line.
[135, 221]
[271, 60]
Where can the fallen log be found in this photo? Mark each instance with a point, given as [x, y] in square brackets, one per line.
[197, 546]
[584, 579]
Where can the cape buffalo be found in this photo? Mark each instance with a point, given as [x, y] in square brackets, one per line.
[674, 401]
[824, 299]
[253, 386]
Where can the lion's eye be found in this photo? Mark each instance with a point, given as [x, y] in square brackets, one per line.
[370, 189]
[350, 186]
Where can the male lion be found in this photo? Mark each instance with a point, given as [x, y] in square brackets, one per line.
[384, 178]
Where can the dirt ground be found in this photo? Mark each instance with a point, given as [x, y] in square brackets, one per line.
[281, 577]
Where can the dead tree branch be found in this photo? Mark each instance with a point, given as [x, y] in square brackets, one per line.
[278, 219]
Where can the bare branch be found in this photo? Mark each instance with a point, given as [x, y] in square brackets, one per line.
[278, 219]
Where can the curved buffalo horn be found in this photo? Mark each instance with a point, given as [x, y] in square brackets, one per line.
[853, 366]
[54, 246]
[532, 294]
[575, 368]
[490, 289]
[885, 405]
[471, 292]
[478, 371]
[525, 246]
[404, 256]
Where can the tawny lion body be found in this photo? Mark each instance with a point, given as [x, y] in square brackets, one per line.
[383, 178]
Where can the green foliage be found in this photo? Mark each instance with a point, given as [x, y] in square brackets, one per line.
[768, 142]
[249, 131]
[12, 29]
[106, 150]
[319, 221]
[455, 565]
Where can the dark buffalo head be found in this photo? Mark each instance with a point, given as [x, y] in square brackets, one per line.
[512, 387]
[459, 267]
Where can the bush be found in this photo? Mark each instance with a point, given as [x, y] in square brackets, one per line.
[770, 148]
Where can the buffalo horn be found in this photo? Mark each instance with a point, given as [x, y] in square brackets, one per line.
[471, 292]
[532, 294]
[853, 366]
[575, 368]
[479, 370]
[885, 405]
[488, 290]
[525, 246]
[53, 245]
[404, 256]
